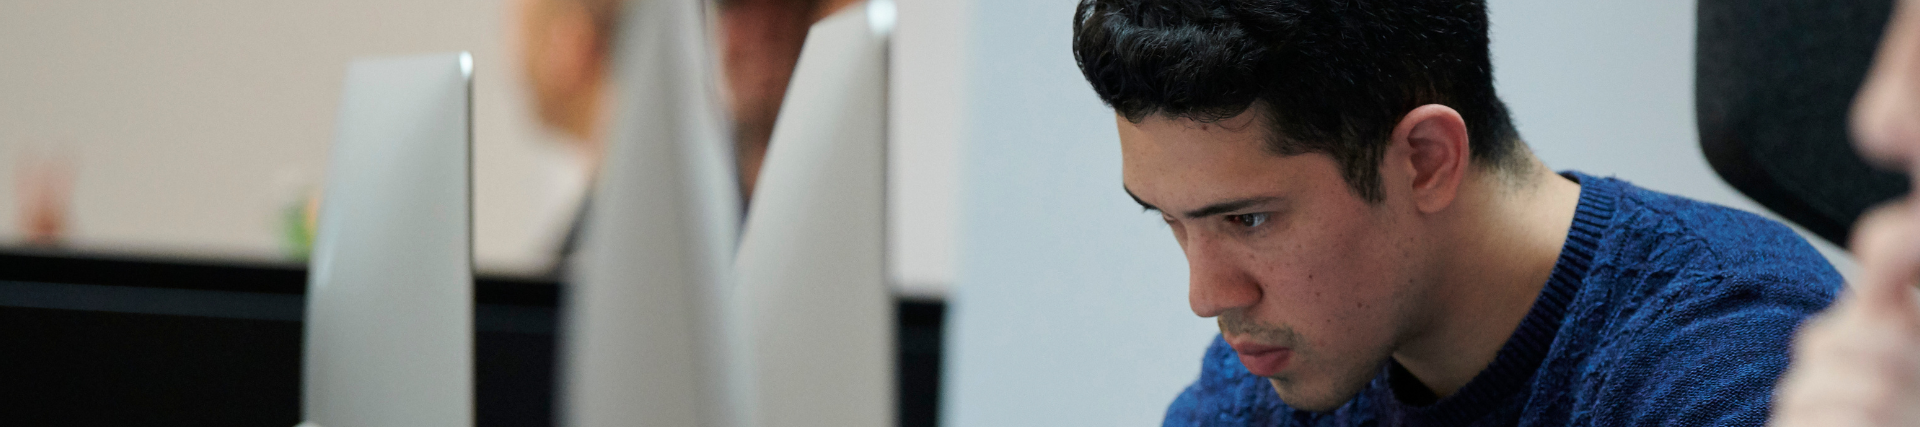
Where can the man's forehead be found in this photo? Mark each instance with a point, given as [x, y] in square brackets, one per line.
[1164, 143]
[1168, 156]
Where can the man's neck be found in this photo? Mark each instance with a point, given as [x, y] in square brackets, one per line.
[1489, 272]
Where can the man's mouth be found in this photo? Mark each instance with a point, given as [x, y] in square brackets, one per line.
[1260, 359]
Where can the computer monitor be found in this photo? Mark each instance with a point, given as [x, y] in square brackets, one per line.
[389, 318]
[812, 258]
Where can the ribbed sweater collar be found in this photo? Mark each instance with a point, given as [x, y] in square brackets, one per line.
[1514, 366]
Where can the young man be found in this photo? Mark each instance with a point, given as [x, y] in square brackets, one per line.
[1380, 247]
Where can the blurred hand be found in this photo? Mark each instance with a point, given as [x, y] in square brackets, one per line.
[1858, 364]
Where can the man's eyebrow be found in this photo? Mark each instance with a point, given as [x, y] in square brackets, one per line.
[1209, 210]
[1228, 206]
[1136, 199]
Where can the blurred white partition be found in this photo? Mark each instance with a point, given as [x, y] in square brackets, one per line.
[649, 339]
[927, 99]
[389, 322]
[812, 260]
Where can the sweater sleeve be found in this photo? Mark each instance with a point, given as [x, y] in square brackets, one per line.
[1709, 358]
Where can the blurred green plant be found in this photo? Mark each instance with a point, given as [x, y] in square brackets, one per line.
[296, 228]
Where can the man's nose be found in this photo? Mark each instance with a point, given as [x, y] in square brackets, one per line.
[1217, 281]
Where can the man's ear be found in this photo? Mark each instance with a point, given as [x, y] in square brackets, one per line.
[1436, 140]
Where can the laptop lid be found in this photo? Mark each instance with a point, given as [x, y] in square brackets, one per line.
[812, 259]
[389, 321]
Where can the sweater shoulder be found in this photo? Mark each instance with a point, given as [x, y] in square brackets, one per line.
[1686, 302]
[1680, 241]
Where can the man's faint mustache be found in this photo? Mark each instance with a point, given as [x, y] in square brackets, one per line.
[1235, 322]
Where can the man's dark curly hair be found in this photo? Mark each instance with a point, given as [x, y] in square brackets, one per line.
[1335, 76]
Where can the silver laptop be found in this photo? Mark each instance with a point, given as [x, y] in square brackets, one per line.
[648, 340]
[812, 260]
[389, 321]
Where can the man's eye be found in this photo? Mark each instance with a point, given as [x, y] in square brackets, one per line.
[1248, 220]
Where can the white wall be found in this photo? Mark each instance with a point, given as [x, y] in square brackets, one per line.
[1070, 304]
[194, 122]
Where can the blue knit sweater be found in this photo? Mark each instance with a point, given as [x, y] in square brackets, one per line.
[1660, 311]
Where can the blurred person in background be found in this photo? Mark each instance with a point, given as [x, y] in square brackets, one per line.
[43, 190]
[567, 47]
[1858, 364]
[1380, 247]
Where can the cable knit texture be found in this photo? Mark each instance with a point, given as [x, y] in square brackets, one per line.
[1660, 311]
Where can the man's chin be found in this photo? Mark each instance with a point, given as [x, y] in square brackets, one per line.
[1307, 398]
